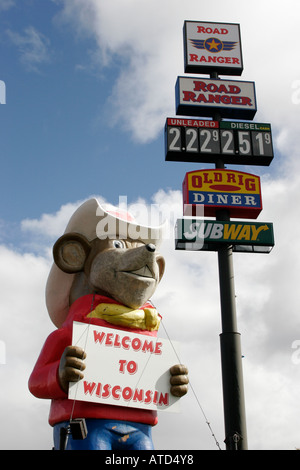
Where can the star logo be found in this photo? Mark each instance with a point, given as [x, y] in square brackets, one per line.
[213, 45]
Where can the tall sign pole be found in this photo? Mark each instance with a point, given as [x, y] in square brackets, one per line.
[215, 48]
[231, 354]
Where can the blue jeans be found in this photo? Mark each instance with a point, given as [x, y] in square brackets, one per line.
[105, 434]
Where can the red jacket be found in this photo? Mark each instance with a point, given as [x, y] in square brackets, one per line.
[43, 382]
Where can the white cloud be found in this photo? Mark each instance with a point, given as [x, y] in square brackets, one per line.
[267, 294]
[188, 299]
[143, 42]
[24, 324]
[33, 46]
[6, 4]
[50, 225]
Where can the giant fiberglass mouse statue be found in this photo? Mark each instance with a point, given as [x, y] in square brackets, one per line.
[96, 261]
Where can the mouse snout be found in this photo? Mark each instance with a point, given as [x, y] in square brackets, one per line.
[151, 247]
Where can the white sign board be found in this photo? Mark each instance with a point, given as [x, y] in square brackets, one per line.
[204, 97]
[212, 47]
[124, 368]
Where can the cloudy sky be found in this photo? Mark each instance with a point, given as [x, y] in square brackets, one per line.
[89, 85]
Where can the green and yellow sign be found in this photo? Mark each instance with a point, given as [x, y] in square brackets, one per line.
[208, 235]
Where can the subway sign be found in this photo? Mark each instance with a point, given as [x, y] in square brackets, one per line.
[209, 235]
[236, 191]
[212, 47]
[206, 97]
[206, 141]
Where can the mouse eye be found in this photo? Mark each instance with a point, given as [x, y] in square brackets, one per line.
[118, 244]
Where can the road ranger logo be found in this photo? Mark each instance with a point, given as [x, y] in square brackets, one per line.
[212, 47]
[213, 44]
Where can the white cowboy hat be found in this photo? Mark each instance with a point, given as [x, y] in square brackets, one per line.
[92, 221]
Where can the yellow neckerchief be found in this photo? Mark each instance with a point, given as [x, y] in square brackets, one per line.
[142, 318]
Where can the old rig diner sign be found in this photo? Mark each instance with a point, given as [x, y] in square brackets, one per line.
[236, 191]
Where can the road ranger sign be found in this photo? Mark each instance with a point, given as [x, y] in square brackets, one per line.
[198, 140]
[236, 191]
[212, 47]
[207, 235]
[206, 97]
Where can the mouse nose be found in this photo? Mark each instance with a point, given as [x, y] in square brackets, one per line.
[151, 247]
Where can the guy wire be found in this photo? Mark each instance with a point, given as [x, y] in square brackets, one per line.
[86, 338]
[190, 385]
[194, 393]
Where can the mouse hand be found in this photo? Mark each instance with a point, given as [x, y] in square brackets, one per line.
[71, 366]
[179, 380]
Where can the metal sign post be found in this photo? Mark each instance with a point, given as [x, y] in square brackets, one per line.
[231, 355]
[215, 48]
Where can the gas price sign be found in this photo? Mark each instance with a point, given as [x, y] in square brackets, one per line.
[240, 143]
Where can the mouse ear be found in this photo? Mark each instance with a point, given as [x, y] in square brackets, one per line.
[70, 252]
[161, 265]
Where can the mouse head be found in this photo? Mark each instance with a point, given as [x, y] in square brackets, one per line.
[97, 255]
[125, 270]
